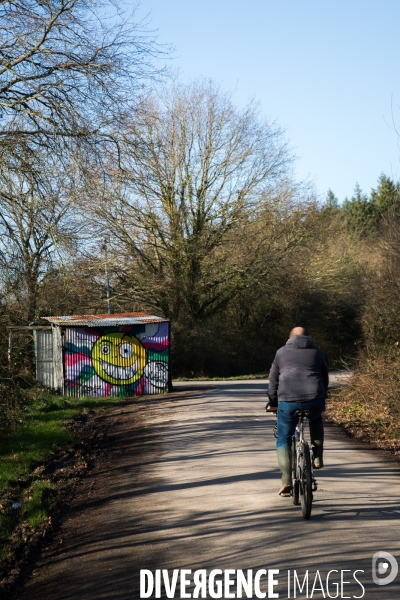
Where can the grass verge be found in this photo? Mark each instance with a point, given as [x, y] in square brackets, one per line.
[32, 459]
[263, 375]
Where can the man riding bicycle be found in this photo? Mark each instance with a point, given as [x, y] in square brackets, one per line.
[298, 380]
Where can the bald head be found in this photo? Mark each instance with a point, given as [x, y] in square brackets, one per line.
[298, 331]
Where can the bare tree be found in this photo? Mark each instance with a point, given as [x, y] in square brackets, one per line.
[195, 168]
[38, 226]
[69, 68]
[70, 71]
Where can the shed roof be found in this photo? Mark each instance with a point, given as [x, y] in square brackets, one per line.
[106, 320]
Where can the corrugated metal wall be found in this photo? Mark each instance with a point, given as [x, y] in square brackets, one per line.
[48, 348]
[58, 359]
[130, 360]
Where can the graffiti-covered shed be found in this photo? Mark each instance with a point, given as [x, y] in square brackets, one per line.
[105, 355]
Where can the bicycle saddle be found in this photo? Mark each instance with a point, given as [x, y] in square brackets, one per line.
[302, 413]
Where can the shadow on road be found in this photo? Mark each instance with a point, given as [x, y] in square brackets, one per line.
[148, 505]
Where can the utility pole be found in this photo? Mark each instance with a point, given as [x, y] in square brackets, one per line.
[104, 247]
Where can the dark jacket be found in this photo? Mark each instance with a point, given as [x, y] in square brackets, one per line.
[299, 372]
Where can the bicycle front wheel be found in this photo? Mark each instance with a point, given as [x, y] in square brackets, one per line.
[306, 482]
[295, 481]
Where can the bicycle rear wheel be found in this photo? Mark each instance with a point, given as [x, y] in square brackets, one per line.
[306, 482]
[295, 481]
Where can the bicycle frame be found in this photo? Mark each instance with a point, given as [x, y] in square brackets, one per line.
[303, 481]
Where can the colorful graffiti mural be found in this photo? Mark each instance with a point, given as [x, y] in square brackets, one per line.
[129, 360]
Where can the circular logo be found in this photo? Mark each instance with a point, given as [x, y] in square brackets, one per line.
[119, 358]
[157, 373]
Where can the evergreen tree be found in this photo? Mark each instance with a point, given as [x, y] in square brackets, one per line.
[387, 195]
[331, 200]
[361, 215]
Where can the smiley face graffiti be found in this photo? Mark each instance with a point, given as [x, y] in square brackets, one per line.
[119, 358]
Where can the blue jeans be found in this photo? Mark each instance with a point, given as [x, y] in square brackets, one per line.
[287, 423]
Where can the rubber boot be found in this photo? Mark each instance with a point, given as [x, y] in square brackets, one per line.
[317, 451]
[285, 463]
[317, 439]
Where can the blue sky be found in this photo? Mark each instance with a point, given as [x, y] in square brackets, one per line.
[327, 71]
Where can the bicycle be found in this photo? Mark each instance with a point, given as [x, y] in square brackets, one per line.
[303, 480]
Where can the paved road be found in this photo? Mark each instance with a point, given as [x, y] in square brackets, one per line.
[198, 490]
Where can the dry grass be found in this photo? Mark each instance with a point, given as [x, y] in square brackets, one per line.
[369, 406]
